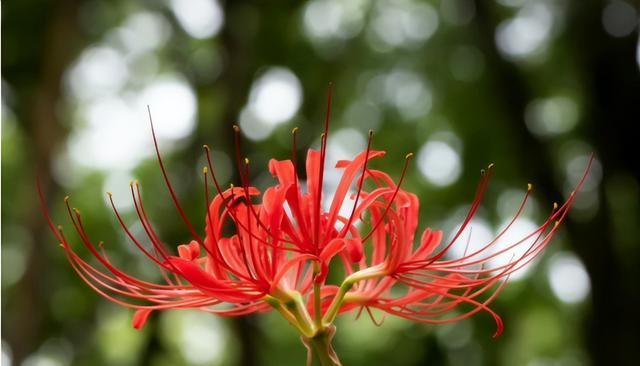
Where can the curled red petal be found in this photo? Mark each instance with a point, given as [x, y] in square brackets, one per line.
[140, 318]
[354, 249]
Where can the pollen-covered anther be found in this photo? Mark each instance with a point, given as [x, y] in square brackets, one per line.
[529, 187]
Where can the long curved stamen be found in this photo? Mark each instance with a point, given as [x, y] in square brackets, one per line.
[244, 180]
[243, 252]
[344, 230]
[323, 153]
[144, 214]
[518, 213]
[84, 238]
[157, 245]
[146, 225]
[407, 158]
[482, 188]
[214, 238]
[226, 201]
[168, 183]
[128, 232]
[300, 218]
[156, 238]
[255, 257]
[212, 171]
[218, 254]
[294, 160]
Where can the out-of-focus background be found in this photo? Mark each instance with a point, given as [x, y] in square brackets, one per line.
[533, 86]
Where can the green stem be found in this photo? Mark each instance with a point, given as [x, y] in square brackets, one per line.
[319, 348]
[294, 312]
[297, 308]
[317, 307]
[332, 312]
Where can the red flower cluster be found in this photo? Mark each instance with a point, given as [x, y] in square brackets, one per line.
[284, 244]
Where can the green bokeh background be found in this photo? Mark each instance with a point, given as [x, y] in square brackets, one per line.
[533, 86]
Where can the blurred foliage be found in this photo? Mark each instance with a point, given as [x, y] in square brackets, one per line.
[531, 85]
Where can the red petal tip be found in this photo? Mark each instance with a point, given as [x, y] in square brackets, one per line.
[140, 318]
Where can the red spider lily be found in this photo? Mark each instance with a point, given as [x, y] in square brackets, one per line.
[282, 250]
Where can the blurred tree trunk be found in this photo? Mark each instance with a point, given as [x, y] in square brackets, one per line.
[239, 66]
[613, 77]
[41, 95]
[612, 117]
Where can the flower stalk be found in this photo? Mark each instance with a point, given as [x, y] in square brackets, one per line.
[320, 349]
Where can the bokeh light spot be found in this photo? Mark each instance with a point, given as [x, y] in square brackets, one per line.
[100, 71]
[199, 18]
[568, 278]
[619, 18]
[439, 163]
[515, 242]
[552, 116]
[276, 96]
[527, 32]
[406, 24]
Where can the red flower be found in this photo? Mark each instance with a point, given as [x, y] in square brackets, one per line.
[426, 283]
[283, 248]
